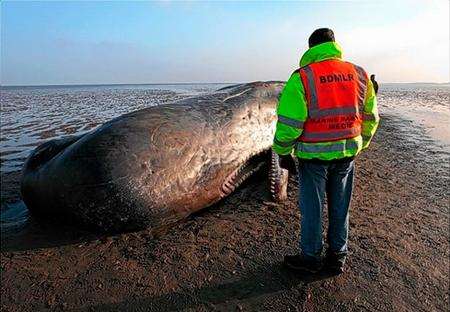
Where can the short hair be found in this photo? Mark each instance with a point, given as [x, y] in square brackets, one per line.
[319, 36]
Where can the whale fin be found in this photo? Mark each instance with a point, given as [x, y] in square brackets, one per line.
[45, 152]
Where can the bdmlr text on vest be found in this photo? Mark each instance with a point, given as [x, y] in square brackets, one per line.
[336, 78]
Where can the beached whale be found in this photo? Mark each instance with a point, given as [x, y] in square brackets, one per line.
[157, 165]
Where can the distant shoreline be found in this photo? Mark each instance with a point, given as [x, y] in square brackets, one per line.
[6, 87]
[113, 85]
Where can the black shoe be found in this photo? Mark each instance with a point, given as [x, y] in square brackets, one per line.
[334, 262]
[302, 263]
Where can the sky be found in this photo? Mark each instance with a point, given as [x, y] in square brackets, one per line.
[107, 42]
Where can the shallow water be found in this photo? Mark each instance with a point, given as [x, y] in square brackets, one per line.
[33, 115]
[428, 105]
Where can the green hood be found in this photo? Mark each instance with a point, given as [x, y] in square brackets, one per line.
[320, 52]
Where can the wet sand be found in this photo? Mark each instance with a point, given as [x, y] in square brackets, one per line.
[228, 257]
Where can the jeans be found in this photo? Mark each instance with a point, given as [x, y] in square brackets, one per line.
[336, 180]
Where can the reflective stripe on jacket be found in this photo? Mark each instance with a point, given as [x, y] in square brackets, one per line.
[335, 120]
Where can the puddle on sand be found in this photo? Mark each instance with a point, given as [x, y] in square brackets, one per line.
[14, 218]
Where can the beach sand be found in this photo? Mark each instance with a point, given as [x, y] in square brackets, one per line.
[228, 257]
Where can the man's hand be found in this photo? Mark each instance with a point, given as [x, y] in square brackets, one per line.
[286, 162]
[375, 83]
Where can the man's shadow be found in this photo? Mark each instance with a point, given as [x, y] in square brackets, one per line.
[270, 279]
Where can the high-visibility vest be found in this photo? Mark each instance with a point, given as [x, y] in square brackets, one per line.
[335, 93]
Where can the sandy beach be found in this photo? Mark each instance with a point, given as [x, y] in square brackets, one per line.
[228, 257]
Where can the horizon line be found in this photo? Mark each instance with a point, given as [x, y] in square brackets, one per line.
[113, 84]
[172, 83]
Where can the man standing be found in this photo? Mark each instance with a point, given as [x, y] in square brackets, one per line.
[327, 113]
